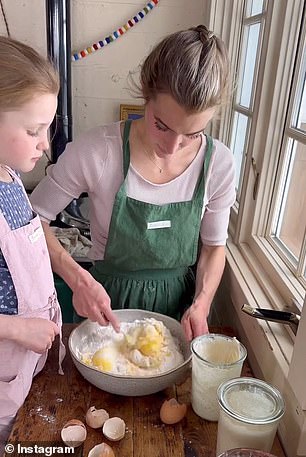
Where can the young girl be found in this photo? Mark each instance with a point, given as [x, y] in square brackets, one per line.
[30, 316]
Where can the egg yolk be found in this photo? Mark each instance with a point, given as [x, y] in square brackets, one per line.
[102, 359]
[150, 342]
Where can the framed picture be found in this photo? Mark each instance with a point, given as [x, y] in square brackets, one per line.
[131, 112]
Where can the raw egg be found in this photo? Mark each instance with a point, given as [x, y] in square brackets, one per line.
[104, 358]
[172, 412]
[150, 342]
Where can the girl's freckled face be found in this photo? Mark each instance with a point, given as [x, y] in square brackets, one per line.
[24, 132]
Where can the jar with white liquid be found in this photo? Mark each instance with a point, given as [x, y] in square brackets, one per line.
[215, 359]
[250, 410]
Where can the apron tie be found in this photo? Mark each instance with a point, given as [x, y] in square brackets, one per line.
[56, 316]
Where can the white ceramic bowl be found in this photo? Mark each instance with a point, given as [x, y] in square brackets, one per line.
[128, 385]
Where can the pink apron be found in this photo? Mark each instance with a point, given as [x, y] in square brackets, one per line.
[26, 254]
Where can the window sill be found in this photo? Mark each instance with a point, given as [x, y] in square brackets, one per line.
[270, 345]
[280, 337]
[290, 293]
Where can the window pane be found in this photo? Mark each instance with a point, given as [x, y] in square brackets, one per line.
[300, 102]
[254, 7]
[237, 144]
[290, 218]
[247, 64]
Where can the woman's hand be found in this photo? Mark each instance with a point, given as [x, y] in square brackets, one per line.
[194, 322]
[89, 297]
[91, 300]
[209, 272]
[35, 334]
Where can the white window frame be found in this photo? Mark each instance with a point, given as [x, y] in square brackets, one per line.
[254, 274]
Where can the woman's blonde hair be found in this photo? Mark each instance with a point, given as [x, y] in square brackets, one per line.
[192, 66]
[23, 74]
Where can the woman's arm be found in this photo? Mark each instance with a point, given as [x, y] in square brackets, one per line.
[209, 272]
[89, 297]
[213, 235]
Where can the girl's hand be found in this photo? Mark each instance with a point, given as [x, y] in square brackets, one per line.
[91, 300]
[35, 334]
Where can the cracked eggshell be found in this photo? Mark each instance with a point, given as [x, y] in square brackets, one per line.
[114, 429]
[172, 412]
[101, 450]
[95, 418]
[74, 433]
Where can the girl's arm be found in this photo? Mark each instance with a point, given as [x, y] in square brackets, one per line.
[35, 334]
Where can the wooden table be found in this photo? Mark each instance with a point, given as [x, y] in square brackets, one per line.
[55, 399]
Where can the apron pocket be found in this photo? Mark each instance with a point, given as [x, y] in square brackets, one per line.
[11, 396]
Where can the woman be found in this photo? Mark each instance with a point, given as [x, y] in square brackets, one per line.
[157, 187]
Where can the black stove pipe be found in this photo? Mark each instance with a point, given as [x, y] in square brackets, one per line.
[59, 50]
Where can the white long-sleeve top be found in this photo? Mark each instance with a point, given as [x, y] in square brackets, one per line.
[94, 164]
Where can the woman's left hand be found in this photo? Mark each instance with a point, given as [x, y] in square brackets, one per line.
[194, 322]
[209, 271]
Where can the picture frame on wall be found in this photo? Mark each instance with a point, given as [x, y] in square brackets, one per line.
[131, 112]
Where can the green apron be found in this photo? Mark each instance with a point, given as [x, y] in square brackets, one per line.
[150, 248]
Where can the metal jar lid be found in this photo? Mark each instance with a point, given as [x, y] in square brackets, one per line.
[241, 398]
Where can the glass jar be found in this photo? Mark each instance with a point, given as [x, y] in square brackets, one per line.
[250, 410]
[212, 365]
[241, 452]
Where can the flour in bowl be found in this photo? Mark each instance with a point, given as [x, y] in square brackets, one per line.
[142, 348]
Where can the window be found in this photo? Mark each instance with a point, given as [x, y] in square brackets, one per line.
[286, 229]
[247, 74]
[265, 127]
[270, 158]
